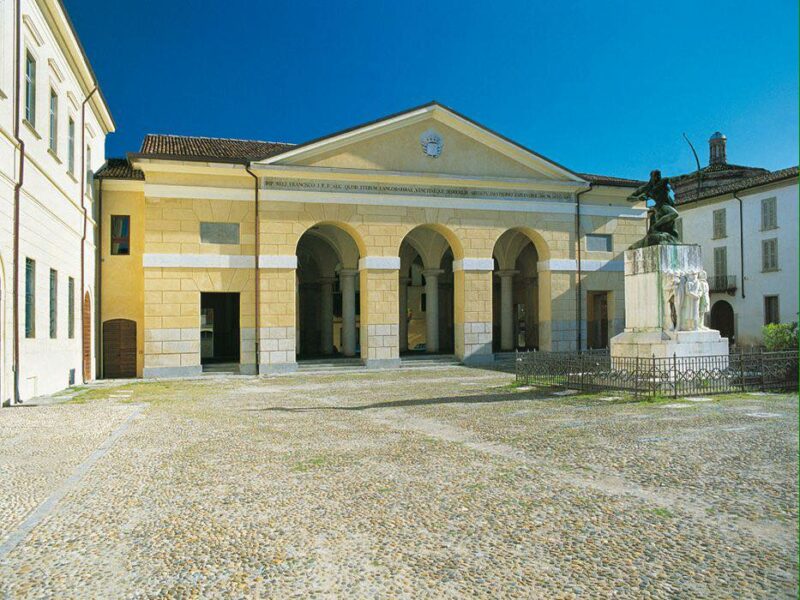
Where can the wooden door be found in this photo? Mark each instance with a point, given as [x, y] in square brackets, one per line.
[87, 338]
[119, 349]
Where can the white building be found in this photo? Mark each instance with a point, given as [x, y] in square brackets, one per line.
[748, 230]
[53, 123]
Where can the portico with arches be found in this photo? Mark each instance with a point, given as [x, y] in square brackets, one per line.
[420, 233]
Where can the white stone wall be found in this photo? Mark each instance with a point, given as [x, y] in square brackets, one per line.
[51, 217]
[748, 303]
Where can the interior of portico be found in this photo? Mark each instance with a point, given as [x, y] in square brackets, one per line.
[515, 293]
[426, 293]
[328, 294]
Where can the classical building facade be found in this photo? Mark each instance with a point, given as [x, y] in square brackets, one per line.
[422, 232]
[53, 123]
[748, 230]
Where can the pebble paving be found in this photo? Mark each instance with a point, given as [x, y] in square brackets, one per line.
[436, 483]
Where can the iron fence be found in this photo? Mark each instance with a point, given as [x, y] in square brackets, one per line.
[676, 376]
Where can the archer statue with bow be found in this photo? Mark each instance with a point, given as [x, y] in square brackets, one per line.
[662, 215]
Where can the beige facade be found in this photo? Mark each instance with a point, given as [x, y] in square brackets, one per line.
[422, 232]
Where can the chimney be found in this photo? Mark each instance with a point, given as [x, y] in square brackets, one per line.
[716, 149]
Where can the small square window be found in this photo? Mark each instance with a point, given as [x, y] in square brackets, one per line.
[596, 242]
[219, 233]
[120, 235]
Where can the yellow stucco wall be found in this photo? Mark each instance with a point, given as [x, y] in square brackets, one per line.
[123, 276]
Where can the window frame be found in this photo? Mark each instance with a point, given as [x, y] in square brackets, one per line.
[71, 307]
[769, 268]
[30, 298]
[53, 304]
[52, 144]
[773, 224]
[119, 239]
[720, 251]
[71, 146]
[767, 299]
[608, 237]
[723, 224]
[30, 88]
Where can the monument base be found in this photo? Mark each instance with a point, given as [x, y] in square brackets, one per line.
[666, 297]
[664, 344]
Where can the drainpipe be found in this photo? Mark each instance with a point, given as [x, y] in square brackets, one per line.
[257, 272]
[741, 241]
[579, 286]
[17, 187]
[98, 321]
[85, 219]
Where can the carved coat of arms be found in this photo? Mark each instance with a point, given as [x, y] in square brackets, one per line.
[432, 143]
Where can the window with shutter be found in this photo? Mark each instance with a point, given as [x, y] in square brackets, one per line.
[30, 298]
[71, 308]
[769, 255]
[769, 213]
[720, 261]
[719, 224]
[53, 303]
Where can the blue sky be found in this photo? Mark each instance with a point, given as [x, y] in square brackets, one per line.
[605, 87]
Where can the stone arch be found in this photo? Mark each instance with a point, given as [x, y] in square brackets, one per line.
[327, 306]
[517, 293]
[426, 290]
[419, 235]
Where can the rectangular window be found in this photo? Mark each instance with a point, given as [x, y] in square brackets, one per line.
[120, 234]
[219, 233]
[30, 298]
[719, 224]
[53, 303]
[71, 308]
[597, 242]
[769, 213]
[721, 261]
[71, 146]
[769, 255]
[30, 89]
[772, 313]
[89, 172]
[53, 121]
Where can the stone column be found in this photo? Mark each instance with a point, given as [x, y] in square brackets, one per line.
[403, 313]
[506, 310]
[347, 282]
[432, 309]
[326, 312]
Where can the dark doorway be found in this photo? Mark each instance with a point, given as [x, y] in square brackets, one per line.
[219, 328]
[597, 317]
[119, 349]
[722, 319]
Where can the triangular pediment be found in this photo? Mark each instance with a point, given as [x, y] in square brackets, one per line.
[431, 139]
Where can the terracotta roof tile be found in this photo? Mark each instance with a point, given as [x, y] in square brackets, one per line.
[741, 184]
[189, 147]
[609, 180]
[118, 168]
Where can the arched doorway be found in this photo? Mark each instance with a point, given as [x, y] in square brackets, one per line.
[328, 294]
[87, 337]
[426, 291]
[721, 319]
[119, 348]
[515, 293]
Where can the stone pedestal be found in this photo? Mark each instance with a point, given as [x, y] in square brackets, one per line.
[661, 283]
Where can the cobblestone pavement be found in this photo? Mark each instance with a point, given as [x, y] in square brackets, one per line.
[420, 484]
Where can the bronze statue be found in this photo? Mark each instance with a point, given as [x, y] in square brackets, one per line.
[662, 216]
